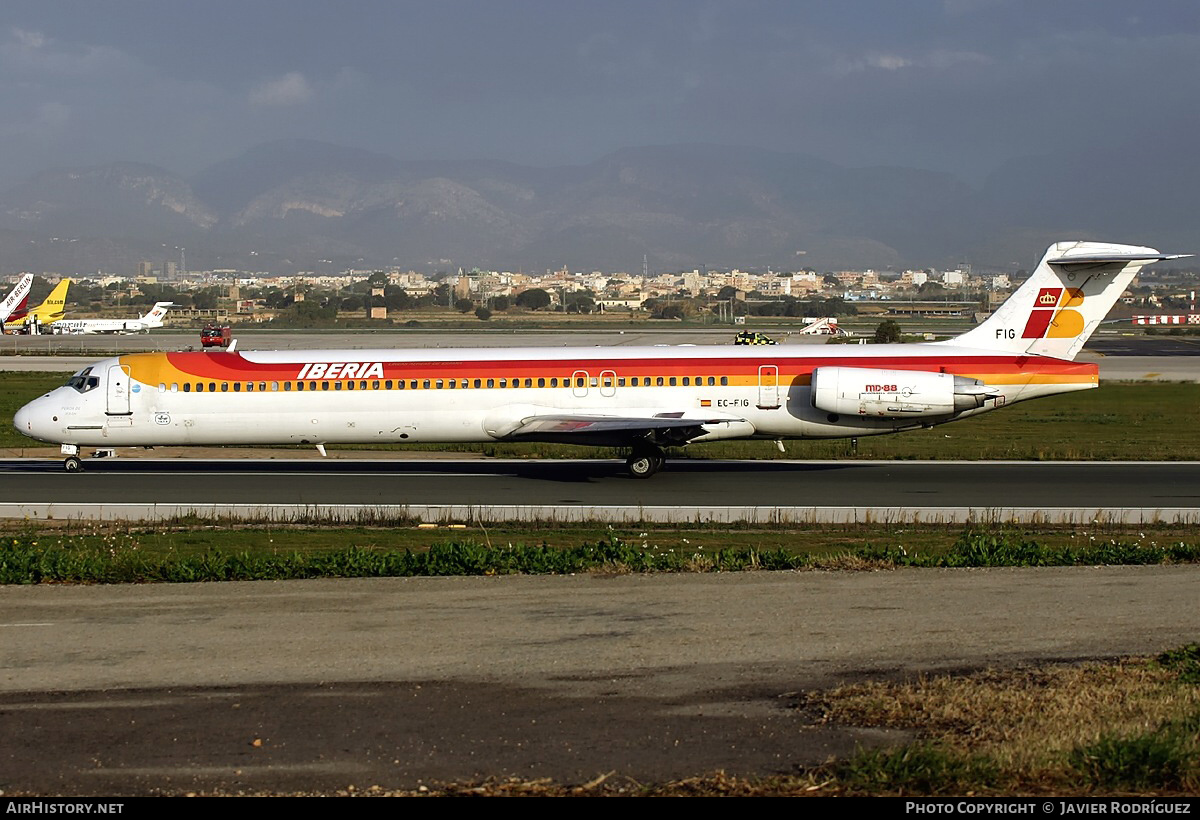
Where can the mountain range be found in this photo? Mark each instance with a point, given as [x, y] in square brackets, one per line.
[302, 205]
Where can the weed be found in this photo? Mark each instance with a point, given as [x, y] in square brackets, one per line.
[1184, 661]
[919, 768]
[1160, 759]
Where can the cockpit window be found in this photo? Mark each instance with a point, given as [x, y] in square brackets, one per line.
[83, 382]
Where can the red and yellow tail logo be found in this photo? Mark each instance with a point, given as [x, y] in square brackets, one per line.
[1052, 316]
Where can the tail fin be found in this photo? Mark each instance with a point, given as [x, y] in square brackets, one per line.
[55, 305]
[17, 301]
[157, 313]
[1063, 302]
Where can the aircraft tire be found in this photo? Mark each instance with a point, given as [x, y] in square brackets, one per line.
[642, 466]
[645, 462]
[72, 464]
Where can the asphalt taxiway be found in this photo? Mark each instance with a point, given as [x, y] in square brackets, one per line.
[490, 490]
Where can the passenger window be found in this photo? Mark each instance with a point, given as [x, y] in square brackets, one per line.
[338, 385]
[724, 380]
[262, 386]
[324, 385]
[504, 382]
[541, 382]
[478, 383]
[224, 387]
[274, 387]
[620, 381]
[187, 387]
[529, 382]
[554, 382]
[425, 384]
[439, 384]
[491, 382]
[374, 384]
[349, 385]
[659, 381]
[687, 381]
[162, 387]
[672, 381]
[174, 387]
[710, 381]
[212, 387]
[313, 385]
[287, 386]
[387, 385]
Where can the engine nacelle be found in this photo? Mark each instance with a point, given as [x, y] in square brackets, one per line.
[868, 391]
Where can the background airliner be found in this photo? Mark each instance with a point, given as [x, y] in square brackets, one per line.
[142, 324]
[49, 310]
[641, 399]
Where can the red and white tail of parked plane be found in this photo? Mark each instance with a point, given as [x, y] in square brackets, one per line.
[641, 399]
[16, 302]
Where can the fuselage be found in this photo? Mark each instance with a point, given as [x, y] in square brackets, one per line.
[463, 395]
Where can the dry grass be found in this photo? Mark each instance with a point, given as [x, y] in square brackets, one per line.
[1026, 721]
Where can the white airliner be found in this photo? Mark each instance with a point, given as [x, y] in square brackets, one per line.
[142, 324]
[642, 399]
[14, 304]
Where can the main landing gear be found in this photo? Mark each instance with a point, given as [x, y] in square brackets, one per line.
[645, 461]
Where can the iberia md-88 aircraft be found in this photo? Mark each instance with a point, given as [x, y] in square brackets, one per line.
[642, 399]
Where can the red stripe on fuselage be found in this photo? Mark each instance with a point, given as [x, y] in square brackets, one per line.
[233, 367]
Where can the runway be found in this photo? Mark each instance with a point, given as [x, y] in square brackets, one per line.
[490, 490]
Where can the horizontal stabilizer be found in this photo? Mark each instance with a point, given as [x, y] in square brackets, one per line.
[1115, 258]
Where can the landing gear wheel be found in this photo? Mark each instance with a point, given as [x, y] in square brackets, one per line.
[645, 462]
[72, 464]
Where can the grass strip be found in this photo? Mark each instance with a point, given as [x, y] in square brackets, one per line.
[32, 558]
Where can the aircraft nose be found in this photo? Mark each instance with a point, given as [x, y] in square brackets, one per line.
[23, 420]
[33, 420]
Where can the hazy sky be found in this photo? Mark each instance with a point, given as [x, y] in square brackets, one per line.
[957, 85]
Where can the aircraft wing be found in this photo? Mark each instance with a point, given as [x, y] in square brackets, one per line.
[663, 428]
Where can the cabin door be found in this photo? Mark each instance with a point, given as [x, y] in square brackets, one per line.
[608, 383]
[768, 387]
[118, 391]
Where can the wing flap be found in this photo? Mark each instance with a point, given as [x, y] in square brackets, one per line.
[578, 428]
[605, 424]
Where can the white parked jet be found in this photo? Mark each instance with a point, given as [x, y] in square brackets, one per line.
[142, 324]
[638, 398]
[14, 305]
